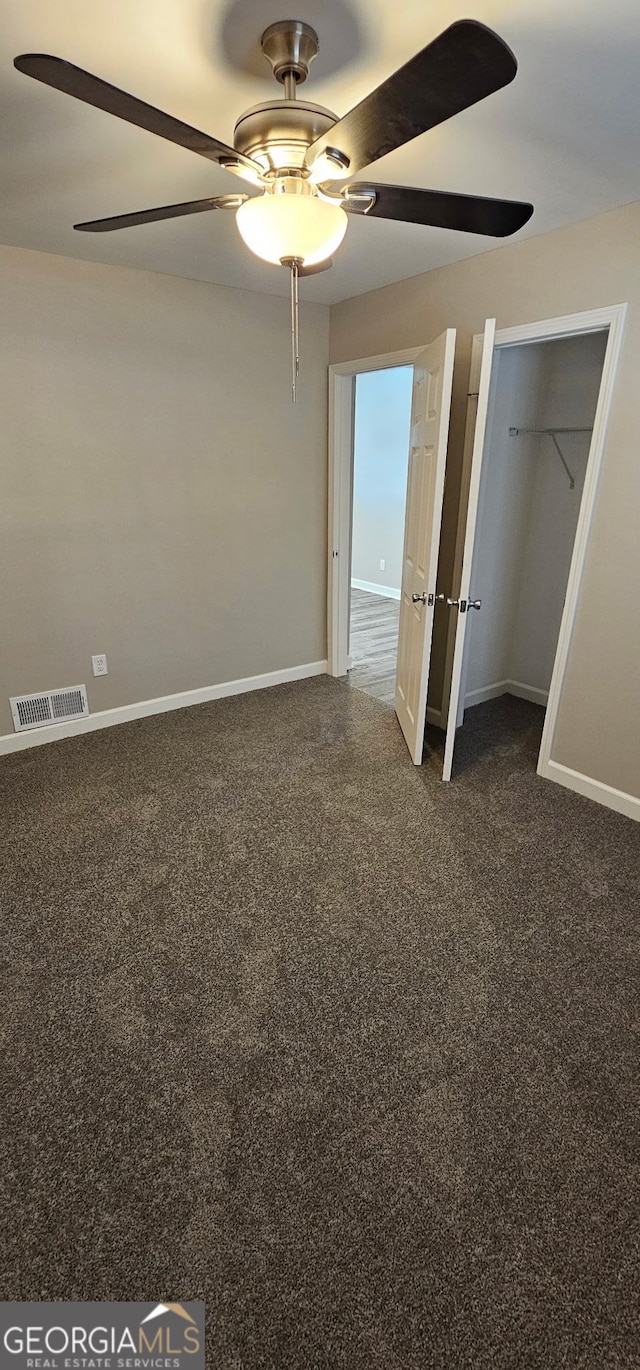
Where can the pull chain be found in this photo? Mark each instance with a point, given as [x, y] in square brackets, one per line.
[294, 263]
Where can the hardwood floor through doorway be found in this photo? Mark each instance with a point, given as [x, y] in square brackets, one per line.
[373, 644]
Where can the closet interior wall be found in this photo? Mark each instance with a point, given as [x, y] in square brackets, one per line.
[528, 512]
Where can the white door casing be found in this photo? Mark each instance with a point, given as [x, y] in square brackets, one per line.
[612, 318]
[431, 404]
[462, 612]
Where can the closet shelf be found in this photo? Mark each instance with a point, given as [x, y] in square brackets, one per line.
[552, 433]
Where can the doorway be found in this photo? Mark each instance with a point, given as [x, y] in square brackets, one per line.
[382, 419]
[342, 402]
[431, 387]
[526, 528]
[542, 406]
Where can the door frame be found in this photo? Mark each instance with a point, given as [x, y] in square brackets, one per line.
[342, 391]
[613, 318]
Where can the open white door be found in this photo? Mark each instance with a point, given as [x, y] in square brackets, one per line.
[466, 603]
[431, 404]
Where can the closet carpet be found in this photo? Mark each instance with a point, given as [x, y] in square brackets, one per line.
[292, 1028]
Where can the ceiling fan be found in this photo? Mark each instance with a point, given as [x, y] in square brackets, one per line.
[301, 157]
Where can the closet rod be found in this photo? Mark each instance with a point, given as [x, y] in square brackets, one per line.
[514, 431]
[551, 433]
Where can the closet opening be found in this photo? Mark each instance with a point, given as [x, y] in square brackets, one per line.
[542, 406]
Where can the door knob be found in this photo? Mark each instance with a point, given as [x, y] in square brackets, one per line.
[422, 599]
[461, 604]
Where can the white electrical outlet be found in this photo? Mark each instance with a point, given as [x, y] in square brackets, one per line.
[383, 564]
[99, 664]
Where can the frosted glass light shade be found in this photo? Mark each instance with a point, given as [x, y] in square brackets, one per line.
[286, 225]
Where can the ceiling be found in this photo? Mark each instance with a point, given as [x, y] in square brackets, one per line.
[564, 135]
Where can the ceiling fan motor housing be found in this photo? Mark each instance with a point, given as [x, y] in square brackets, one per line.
[277, 133]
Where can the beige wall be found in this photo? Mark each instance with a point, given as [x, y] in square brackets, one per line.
[160, 498]
[589, 264]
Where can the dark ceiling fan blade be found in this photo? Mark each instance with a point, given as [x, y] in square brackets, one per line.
[463, 65]
[64, 76]
[151, 216]
[313, 270]
[439, 209]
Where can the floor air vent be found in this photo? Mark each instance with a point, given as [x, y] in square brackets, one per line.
[54, 706]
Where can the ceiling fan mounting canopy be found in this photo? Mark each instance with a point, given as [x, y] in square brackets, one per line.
[290, 46]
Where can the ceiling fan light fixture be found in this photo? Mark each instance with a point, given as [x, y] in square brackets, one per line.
[292, 222]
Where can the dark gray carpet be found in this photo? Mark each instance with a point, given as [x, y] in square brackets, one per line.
[293, 1028]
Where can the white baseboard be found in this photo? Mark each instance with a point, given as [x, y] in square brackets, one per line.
[618, 800]
[485, 692]
[374, 589]
[126, 713]
[506, 687]
[537, 696]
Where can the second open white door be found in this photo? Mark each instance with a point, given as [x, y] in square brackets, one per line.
[430, 408]
[461, 606]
